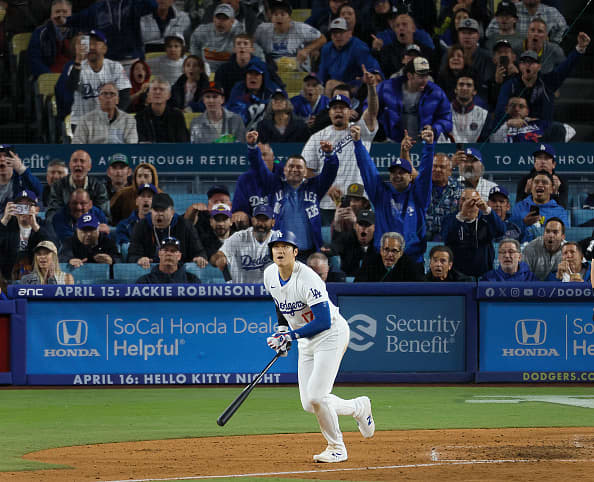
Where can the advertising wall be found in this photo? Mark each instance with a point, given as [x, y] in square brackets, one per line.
[523, 338]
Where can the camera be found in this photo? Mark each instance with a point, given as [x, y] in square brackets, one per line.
[22, 208]
[345, 202]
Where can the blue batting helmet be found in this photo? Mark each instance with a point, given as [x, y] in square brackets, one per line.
[284, 237]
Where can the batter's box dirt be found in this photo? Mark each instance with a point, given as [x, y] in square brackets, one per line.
[482, 455]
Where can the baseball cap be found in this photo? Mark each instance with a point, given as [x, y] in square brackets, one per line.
[281, 4]
[26, 194]
[338, 24]
[531, 55]
[47, 244]
[471, 151]
[162, 201]
[280, 92]
[170, 241]
[546, 148]
[99, 35]
[469, 24]
[225, 9]
[498, 190]
[217, 189]
[507, 8]
[5, 147]
[421, 66]
[340, 98]
[220, 209]
[263, 210]
[403, 163]
[501, 43]
[366, 216]
[355, 190]
[176, 35]
[121, 158]
[88, 220]
[254, 67]
[213, 87]
[312, 76]
[147, 186]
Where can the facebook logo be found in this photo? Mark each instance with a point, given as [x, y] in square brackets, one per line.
[531, 332]
[72, 332]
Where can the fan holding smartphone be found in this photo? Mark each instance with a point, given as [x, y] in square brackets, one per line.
[13, 170]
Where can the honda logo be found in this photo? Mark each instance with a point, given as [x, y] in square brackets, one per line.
[531, 332]
[72, 332]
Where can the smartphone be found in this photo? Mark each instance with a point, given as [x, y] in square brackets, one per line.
[22, 208]
[504, 61]
[535, 209]
[84, 42]
[345, 202]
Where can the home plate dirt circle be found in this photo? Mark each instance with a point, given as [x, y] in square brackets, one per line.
[445, 455]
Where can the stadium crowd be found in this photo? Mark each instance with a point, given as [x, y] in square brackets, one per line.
[428, 72]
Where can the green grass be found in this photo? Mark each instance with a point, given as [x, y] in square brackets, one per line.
[32, 420]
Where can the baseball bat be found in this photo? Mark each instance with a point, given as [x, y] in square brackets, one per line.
[235, 404]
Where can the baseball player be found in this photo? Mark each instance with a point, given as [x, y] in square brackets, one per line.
[322, 333]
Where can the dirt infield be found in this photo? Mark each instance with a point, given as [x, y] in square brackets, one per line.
[494, 454]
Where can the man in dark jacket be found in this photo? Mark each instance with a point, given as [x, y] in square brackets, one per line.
[356, 245]
[162, 222]
[49, 48]
[80, 165]
[168, 270]
[20, 232]
[470, 234]
[425, 104]
[159, 122]
[88, 244]
[441, 262]
[391, 264]
[538, 89]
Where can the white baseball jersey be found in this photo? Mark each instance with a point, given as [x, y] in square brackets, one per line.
[246, 257]
[304, 289]
[86, 95]
[348, 171]
[285, 44]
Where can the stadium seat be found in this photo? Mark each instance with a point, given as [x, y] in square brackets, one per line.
[88, 273]
[67, 130]
[124, 252]
[210, 274]
[326, 234]
[577, 233]
[293, 81]
[189, 116]
[154, 55]
[580, 216]
[45, 121]
[19, 69]
[128, 273]
[301, 14]
[183, 201]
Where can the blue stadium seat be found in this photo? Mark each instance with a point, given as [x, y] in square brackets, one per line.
[128, 273]
[210, 274]
[326, 234]
[334, 263]
[579, 216]
[577, 234]
[182, 201]
[124, 251]
[88, 273]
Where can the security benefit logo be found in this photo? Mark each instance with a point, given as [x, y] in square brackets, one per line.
[401, 334]
[72, 338]
[530, 340]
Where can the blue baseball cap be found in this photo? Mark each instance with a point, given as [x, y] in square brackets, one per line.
[546, 148]
[498, 190]
[170, 241]
[88, 220]
[403, 163]
[26, 194]
[99, 34]
[280, 92]
[471, 151]
[263, 210]
[150, 187]
[340, 98]
[254, 67]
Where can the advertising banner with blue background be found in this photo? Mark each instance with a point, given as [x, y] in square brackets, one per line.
[166, 337]
[232, 158]
[405, 333]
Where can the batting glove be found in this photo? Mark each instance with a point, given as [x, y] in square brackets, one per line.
[280, 342]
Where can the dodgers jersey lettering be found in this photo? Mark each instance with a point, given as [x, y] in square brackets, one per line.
[295, 299]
